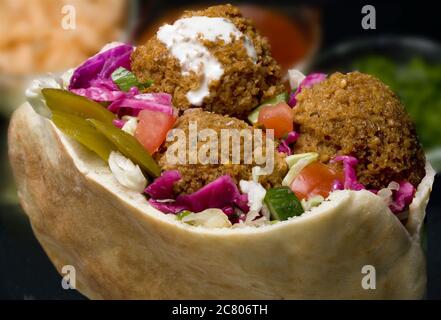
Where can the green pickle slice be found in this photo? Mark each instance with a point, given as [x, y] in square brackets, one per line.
[82, 131]
[128, 146]
[282, 203]
[68, 102]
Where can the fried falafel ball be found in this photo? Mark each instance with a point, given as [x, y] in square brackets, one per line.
[243, 85]
[195, 176]
[356, 114]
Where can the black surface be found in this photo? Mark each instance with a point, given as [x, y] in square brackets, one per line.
[25, 270]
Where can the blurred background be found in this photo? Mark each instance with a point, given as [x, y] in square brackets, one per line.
[404, 51]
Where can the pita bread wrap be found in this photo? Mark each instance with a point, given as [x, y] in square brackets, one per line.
[122, 248]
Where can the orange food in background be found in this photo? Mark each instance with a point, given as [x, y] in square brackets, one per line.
[32, 39]
[289, 44]
[315, 179]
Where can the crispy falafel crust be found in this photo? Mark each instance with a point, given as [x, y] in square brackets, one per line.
[356, 114]
[195, 176]
[241, 88]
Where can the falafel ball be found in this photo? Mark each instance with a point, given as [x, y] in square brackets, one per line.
[195, 176]
[356, 114]
[244, 83]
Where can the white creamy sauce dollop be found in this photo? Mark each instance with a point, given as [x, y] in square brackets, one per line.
[183, 40]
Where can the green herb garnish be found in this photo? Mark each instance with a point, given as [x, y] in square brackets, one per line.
[126, 80]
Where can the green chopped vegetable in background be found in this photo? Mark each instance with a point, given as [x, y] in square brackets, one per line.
[418, 84]
[282, 203]
[254, 115]
[126, 79]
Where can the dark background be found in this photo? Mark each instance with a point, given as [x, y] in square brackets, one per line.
[26, 272]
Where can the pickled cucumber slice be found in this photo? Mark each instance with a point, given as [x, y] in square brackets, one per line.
[128, 146]
[282, 203]
[68, 102]
[83, 132]
[254, 115]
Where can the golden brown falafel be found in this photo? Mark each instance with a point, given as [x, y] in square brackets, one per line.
[195, 176]
[243, 85]
[356, 114]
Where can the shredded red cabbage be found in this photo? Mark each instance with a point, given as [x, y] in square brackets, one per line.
[133, 105]
[158, 97]
[105, 84]
[402, 197]
[118, 123]
[167, 207]
[309, 81]
[284, 145]
[350, 176]
[100, 67]
[93, 80]
[162, 187]
[99, 94]
[217, 194]
[221, 193]
[228, 210]
[241, 201]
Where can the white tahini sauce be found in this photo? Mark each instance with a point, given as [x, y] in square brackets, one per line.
[183, 40]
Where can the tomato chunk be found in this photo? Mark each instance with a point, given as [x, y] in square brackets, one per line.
[315, 179]
[278, 117]
[152, 129]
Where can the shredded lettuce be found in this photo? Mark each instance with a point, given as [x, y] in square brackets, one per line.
[209, 218]
[312, 202]
[296, 163]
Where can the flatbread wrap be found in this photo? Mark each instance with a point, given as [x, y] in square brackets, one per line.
[221, 231]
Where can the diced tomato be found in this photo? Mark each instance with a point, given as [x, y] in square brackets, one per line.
[315, 179]
[278, 117]
[152, 129]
